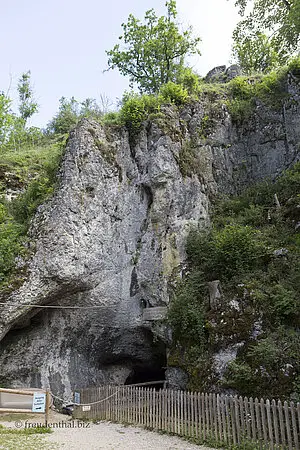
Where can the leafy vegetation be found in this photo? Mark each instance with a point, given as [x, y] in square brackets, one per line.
[32, 173]
[28, 106]
[70, 112]
[270, 89]
[253, 249]
[257, 53]
[153, 52]
[240, 95]
[280, 18]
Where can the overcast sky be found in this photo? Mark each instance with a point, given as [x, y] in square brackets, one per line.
[63, 43]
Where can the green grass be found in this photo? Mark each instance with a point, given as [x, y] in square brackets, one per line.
[29, 439]
[13, 417]
[29, 176]
[27, 163]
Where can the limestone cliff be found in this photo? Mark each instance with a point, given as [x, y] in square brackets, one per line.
[113, 236]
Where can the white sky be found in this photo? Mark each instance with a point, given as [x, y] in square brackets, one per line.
[63, 43]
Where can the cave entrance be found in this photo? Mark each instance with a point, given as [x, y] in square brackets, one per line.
[146, 374]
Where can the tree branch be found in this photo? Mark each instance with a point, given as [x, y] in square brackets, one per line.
[287, 4]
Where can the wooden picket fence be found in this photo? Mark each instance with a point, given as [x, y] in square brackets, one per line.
[218, 419]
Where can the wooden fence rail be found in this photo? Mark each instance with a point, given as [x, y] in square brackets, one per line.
[225, 420]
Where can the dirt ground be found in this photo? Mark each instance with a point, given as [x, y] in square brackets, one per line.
[71, 434]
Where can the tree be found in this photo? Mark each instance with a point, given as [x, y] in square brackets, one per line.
[70, 112]
[153, 51]
[256, 53]
[66, 118]
[6, 118]
[28, 105]
[280, 18]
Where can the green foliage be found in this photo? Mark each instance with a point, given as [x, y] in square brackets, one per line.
[29, 438]
[187, 312]
[188, 161]
[135, 109]
[24, 207]
[34, 171]
[238, 250]
[280, 19]
[268, 366]
[14, 134]
[6, 118]
[270, 89]
[221, 253]
[10, 244]
[174, 93]
[256, 53]
[112, 119]
[189, 80]
[153, 51]
[28, 105]
[70, 112]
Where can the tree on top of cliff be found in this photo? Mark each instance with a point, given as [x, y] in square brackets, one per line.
[153, 51]
[278, 18]
[256, 52]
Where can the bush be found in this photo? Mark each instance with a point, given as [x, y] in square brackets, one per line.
[174, 93]
[187, 312]
[39, 165]
[112, 118]
[10, 246]
[135, 109]
[221, 254]
[270, 368]
[24, 207]
[190, 81]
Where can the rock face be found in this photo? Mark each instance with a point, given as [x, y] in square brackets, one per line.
[112, 240]
[221, 74]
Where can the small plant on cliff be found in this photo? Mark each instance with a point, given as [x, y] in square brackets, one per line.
[135, 109]
[268, 366]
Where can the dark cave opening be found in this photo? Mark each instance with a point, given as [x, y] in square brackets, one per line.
[146, 374]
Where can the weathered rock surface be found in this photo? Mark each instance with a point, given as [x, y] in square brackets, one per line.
[221, 74]
[113, 237]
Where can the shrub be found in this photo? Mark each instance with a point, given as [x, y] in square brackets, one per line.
[174, 93]
[271, 366]
[10, 246]
[112, 118]
[223, 253]
[239, 251]
[135, 109]
[187, 312]
[189, 80]
[39, 165]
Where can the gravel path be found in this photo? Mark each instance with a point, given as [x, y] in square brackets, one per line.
[71, 434]
[112, 436]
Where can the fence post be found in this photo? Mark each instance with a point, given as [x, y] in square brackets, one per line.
[263, 420]
[47, 406]
[288, 428]
[294, 425]
[269, 421]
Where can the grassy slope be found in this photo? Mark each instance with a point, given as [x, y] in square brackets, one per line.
[29, 175]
